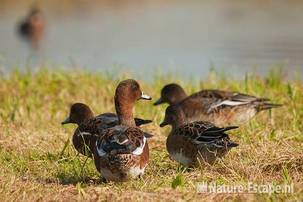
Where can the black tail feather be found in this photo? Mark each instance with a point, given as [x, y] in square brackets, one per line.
[263, 99]
[148, 135]
[230, 128]
[266, 106]
[140, 122]
[232, 144]
[219, 130]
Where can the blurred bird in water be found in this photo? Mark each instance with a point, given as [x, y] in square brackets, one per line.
[32, 27]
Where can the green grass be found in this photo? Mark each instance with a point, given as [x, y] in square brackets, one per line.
[38, 162]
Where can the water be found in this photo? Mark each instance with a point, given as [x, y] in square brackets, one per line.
[141, 37]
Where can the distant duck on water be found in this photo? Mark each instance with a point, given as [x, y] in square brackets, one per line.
[32, 27]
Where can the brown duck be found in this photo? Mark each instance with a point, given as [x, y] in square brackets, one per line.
[196, 143]
[122, 151]
[32, 27]
[85, 136]
[218, 107]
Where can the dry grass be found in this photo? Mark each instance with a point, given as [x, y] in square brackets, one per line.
[38, 162]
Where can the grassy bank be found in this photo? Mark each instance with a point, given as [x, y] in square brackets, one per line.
[38, 162]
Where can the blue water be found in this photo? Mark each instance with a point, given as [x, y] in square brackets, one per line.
[186, 38]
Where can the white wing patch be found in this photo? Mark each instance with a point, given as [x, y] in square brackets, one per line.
[83, 133]
[100, 151]
[121, 143]
[139, 150]
[228, 103]
[196, 141]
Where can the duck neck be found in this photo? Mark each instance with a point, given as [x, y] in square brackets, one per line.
[180, 119]
[87, 117]
[178, 96]
[124, 111]
[181, 96]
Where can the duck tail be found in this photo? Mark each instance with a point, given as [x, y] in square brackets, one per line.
[263, 100]
[267, 106]
[232, 144]
[230, 128]
[148, 135]
[140, 122]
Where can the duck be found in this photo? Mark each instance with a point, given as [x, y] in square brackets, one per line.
[122, 151]
[32, 27]
[172, 94]
[197, 143]
[85, 136]
[216, 106]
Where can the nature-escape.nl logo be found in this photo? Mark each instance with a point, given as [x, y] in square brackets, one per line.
[249, 187]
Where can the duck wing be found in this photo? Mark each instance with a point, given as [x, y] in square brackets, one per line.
[121, 140]
[206, 133]
[232, 99]
[110, 120]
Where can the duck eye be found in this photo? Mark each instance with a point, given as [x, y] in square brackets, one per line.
[135, 87]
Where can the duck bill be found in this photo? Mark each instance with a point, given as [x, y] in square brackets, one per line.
[163, 124]
[66, 121]
[145, 97]
[159, 101]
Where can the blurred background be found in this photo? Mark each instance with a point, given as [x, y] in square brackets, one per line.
[187, 38]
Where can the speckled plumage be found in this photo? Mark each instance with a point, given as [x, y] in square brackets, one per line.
[122, 152]
[198, 142]
[220, 107]
[85, 136]
[115, 151]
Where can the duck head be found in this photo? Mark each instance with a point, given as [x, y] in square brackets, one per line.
[171, 94]
[173, 116]
[79, 113]
[130, 91]
[127, 93]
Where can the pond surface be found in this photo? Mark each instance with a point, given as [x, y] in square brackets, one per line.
[141, 37]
